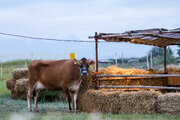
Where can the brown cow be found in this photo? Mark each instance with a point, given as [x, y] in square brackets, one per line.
[56, 75]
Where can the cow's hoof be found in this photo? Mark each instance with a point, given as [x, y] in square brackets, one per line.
[70, 111]
[77, 111]
[36, 110]
[30, 110]
[74, 111]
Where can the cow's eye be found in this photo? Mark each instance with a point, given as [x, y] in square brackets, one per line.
[80, 65]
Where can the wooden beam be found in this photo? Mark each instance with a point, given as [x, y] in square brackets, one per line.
[165, 63]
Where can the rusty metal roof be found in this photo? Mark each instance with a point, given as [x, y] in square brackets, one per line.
[156, 37]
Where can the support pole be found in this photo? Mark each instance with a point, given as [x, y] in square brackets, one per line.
[96, 43]
[147, 61]
[116, 59]
[151, 58]
[165, 69]
[122, 59]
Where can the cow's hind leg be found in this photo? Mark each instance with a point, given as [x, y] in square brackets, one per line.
[36, 100]
[30, 90]
[68, 98]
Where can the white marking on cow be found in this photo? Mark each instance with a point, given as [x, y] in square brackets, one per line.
[75, 86]
[39, 86]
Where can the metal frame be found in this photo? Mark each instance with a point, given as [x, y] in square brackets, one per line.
[147, 87]
[155, 75]
[96, 37]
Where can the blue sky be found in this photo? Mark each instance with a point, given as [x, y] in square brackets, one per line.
[70, 19]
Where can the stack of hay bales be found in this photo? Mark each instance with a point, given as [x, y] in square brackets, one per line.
[169, 103]
[142, 81]
[18, 84]
[110, 101]
[119, 102]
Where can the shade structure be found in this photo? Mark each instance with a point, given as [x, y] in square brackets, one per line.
[157, 37]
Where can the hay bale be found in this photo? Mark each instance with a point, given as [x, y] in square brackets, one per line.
[85, 86]
[169, 103]
[10, 83]
[113, 70]
[119, 102]
[14, 95]
[20, 74]
[174, 81]
[20, 89]
[172, 69]
[144, 81]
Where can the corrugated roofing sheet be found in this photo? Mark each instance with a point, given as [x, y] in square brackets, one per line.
[156, 37]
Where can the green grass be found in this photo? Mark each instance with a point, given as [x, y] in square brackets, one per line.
[9, 66]
[16, 109]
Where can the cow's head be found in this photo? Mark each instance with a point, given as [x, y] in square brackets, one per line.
[84, 65]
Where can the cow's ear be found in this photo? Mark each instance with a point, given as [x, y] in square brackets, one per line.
[80, 63]
[92, 62]
[75, 61]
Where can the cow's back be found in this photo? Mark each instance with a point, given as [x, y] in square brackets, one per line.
[54, 74]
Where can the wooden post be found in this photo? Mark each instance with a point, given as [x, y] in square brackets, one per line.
[96, 43]
[147, 61]
[116, 59]
[165, 69]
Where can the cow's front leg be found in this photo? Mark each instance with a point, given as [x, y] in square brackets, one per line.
[68, 98]
[75, 105]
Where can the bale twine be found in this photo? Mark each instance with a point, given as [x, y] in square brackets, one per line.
[20, 73]
[20, 89]
[169, 103]
[10, 83]
[142, 102]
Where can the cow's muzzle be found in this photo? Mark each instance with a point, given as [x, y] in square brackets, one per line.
[83, 71]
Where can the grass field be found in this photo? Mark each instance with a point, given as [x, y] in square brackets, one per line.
[16, 109]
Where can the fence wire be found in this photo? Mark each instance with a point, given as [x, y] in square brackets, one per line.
[47, 39]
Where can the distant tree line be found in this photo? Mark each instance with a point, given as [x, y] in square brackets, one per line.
[157, 56]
